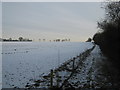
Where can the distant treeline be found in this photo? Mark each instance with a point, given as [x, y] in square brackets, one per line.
[56, 40]
[40, 40]
[20, 39]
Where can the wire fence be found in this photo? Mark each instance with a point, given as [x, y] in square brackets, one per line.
[58, 78]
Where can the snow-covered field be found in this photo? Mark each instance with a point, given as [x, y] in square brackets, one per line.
[0, 66]
[24, 61]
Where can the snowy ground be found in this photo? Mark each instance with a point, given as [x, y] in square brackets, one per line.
[90, 74]
[96, 72]
[24, 61]
[91, 71]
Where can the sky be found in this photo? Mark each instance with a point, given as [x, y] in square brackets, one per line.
[51, 20]
[0, 19]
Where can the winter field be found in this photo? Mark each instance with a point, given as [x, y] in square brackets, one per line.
[25, 61]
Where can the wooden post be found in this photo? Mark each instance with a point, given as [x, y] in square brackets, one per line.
[73, 64]
[57, 75]
[51, 79]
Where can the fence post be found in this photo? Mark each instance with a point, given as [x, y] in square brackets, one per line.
[57, 75]
[51, 78]
[73, 63]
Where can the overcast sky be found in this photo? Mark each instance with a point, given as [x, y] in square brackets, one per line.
[51, 20]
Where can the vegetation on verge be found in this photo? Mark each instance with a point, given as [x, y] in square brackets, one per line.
[109, 38]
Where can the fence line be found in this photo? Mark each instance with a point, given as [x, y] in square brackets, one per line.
[71, 66]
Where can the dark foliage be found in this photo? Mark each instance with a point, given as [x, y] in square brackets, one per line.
[89, 40]
[109, 38]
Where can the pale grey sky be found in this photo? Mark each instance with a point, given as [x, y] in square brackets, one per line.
[0, 19]
[51, 20]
